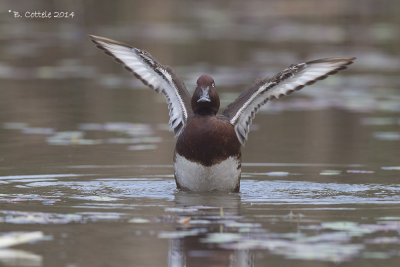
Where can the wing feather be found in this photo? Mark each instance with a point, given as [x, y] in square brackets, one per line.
[242, 111]
[158, 77]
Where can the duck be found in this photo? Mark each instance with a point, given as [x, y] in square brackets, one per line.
[207, 155]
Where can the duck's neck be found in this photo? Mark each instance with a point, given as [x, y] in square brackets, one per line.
[205, 112]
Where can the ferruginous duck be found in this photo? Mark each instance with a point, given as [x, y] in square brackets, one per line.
[207, 155]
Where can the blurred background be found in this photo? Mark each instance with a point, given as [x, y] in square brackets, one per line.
[53, 80]
[67, 109]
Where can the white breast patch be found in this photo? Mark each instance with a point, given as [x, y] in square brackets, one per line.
[193, 176]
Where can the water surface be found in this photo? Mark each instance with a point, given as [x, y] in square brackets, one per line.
[86, 176]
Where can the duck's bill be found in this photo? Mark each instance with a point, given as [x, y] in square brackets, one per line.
[204, 99]
[204, 96]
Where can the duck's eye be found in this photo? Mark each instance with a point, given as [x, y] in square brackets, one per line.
[213, 84]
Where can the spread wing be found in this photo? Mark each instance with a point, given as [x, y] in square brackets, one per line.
[160, 78]
[241, 112]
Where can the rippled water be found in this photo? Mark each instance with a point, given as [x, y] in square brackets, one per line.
[276, 213]
[86, 175]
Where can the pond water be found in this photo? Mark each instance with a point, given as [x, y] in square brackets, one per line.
[86, 176]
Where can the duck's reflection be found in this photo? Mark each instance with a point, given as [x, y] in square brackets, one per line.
[208, 214]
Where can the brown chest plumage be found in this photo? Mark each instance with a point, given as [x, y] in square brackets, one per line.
[208, 140]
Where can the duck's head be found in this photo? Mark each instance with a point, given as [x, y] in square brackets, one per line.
[205, 99]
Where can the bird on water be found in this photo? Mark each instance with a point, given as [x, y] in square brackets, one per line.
[207, 154]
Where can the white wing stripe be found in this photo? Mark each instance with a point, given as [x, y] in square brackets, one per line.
[262, 88]
[125, 54]
[151, 73]
[293, 78]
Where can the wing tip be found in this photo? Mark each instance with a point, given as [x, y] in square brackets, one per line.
[99, 39]
[344, 60]
[342, 63]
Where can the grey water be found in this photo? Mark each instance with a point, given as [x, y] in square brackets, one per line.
[86, 175]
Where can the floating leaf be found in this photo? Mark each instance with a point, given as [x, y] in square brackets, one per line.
[14, 125]
[351, 228]
[221, 238]
[15, 257]
[359, 171]
[377, 121]
[142, 147]
[32, 130]
[138, 220]
[391, 168]
[387, 136]
[330, 172]
[178, 234]
[16, 238]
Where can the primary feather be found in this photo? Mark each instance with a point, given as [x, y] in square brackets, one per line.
[242, 111]
[158, 77]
